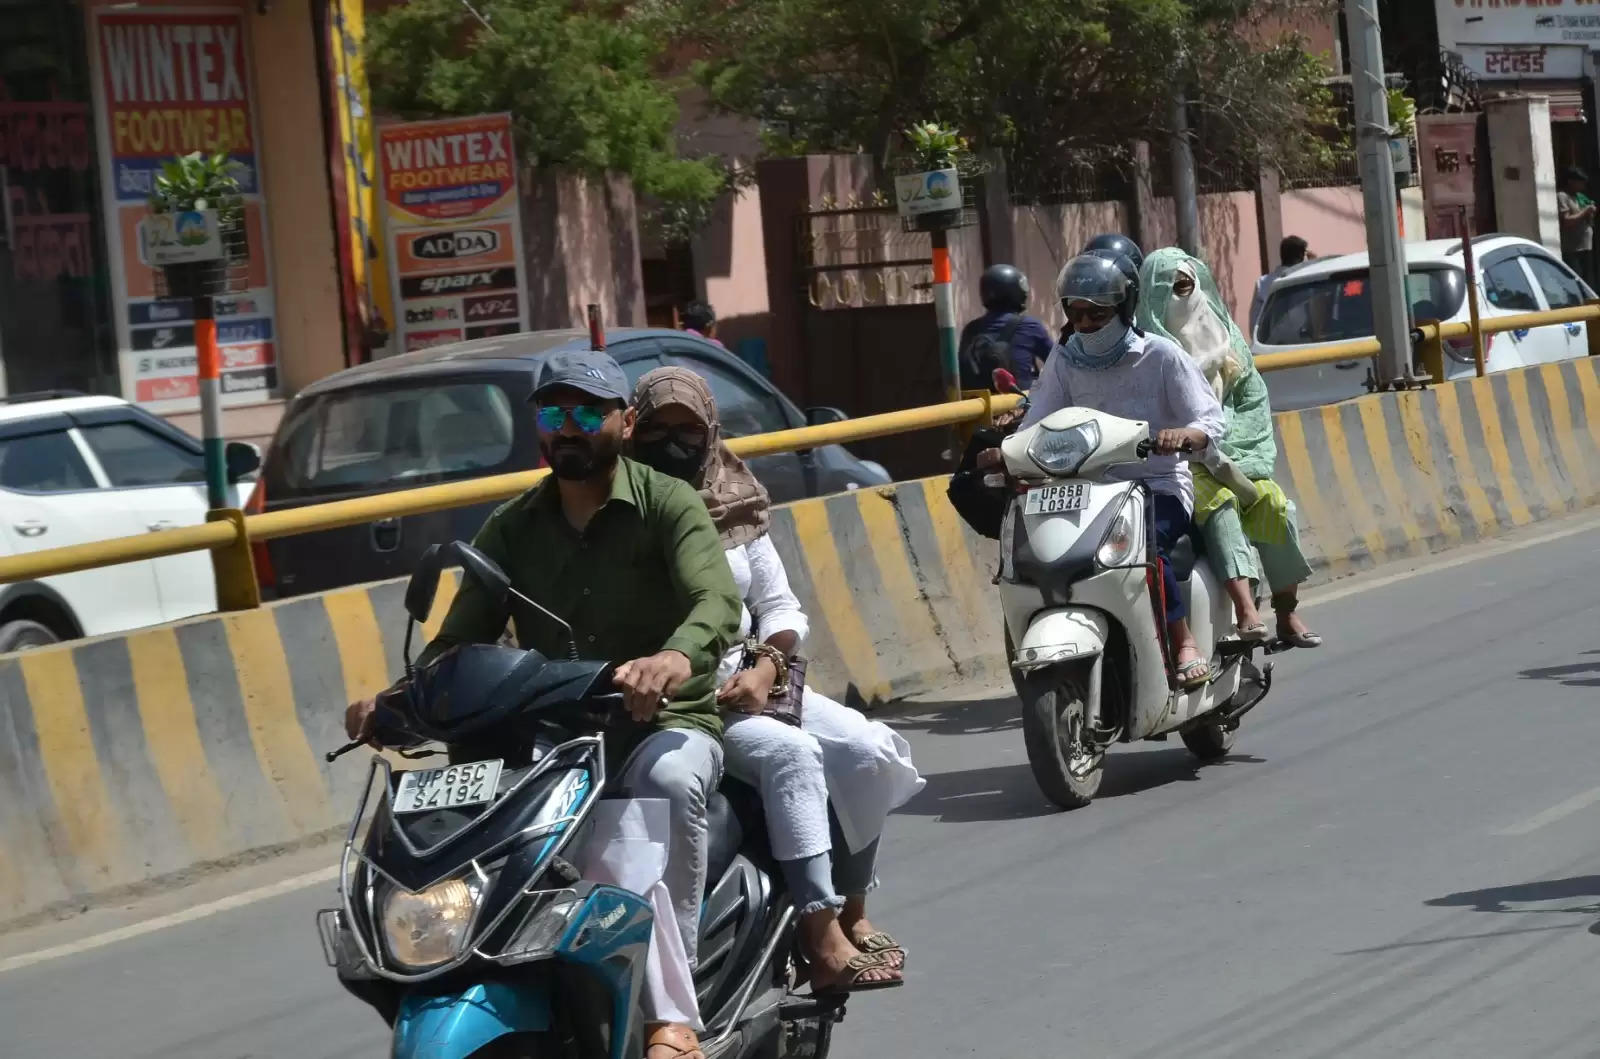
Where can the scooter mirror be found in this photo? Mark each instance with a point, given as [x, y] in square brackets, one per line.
[1004, 381]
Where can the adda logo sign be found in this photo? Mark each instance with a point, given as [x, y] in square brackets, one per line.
[446, 246]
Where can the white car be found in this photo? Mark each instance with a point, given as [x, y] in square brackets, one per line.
[1330, 300]
[75, 469]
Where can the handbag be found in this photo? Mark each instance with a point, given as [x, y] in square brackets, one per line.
[783, 704]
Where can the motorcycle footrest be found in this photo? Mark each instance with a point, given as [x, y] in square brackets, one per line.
[794, 1007]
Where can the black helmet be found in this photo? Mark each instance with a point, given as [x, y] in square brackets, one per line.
[1119, 244]
[1103, 279]
[1003, 288]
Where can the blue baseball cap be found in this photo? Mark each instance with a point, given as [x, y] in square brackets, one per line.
[589, 371]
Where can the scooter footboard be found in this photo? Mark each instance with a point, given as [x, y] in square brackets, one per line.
[455, 1024]
[1062, 634]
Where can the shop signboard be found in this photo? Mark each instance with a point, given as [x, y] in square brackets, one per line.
[1498, 22]
[168, 82]
[453, 220]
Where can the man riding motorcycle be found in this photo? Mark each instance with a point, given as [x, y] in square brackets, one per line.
[630, 558]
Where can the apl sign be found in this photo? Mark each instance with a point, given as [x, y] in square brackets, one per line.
[448, 246]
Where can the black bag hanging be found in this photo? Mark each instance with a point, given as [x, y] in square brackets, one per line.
[983, 507]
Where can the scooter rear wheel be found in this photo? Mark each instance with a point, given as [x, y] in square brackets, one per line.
[1209, 742]
[1066, 765]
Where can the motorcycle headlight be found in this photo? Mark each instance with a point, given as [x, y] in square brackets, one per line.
[1124, 540]
[1062, 452]
[425, 929]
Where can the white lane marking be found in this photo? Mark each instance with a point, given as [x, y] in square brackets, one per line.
[1473, 553]
[188, 915]
[1572, 805]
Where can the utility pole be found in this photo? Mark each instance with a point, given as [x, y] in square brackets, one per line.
[1385, 251]
[1185, 186]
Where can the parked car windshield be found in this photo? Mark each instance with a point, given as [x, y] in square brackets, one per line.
[367, 437]
[1338, 307]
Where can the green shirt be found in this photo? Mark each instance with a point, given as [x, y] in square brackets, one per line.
[647, 574]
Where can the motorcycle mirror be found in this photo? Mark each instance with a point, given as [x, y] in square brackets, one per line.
[424, 584]
[1004, 381]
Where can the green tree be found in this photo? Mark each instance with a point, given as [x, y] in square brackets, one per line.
[581, 82]
[1041, 77]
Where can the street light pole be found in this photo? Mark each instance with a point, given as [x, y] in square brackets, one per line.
[1385, 251]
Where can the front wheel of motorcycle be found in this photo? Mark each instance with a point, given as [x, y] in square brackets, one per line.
[1066, 763]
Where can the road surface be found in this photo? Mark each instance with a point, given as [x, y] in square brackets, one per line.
[1399, 860]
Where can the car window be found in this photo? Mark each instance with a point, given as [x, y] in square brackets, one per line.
[133, 456]
[743, 407]
[1508, 289]
[43, 463]
[1561, 288]
[368, 437]
[1338, 307]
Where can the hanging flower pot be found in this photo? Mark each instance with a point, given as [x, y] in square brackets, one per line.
[928, 188]
[195, 234]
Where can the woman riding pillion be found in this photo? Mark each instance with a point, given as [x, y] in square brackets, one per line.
[1109, 365]
[1182, 304]
[864, 766]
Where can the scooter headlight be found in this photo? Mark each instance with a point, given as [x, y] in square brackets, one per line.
[1124, 540]
[1062, 452]
[425, 929]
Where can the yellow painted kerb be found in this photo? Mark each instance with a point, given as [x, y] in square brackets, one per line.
[1394, 491]
[83, 805]
[836, 599]
[882, 523]
[285, 754]
[172, 735]
[1354, 498]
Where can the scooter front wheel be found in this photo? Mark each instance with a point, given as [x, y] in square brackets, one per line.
[1066, 765]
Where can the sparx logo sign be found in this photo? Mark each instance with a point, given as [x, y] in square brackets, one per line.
[458, 282]
[444, 246]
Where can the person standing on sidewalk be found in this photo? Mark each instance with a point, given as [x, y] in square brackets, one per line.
[1577, 210]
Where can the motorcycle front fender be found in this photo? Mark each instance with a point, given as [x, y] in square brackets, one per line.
[454, 1025]
[1061, 634]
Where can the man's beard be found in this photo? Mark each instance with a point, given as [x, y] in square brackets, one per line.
[580, 459]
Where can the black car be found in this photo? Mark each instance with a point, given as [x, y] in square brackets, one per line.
[458, 411]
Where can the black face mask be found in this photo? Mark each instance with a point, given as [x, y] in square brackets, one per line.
[671, 456]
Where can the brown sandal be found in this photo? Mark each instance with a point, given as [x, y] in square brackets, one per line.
[675, 1042]
[854, 968]
[880, 941]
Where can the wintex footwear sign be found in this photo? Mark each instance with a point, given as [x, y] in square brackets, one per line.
[454, 227]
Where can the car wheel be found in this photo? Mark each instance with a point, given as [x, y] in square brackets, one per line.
[20, 635]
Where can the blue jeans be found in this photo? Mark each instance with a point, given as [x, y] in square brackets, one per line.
[1173, 523]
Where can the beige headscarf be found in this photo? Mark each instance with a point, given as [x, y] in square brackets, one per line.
[739, 505]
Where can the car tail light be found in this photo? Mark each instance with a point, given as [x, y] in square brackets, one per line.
[1461, 348]
[266, 576]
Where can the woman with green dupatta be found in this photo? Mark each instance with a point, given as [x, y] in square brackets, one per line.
[1181, 303]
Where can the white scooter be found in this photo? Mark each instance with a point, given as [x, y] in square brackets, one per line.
[1084, 613]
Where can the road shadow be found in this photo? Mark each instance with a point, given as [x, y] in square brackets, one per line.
[966, 717]
[1502, 898]
[1009, 792]
[986, 795]
[1145, 770]
[1577, 675]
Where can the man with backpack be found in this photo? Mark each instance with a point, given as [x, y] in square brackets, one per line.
[1004, 336]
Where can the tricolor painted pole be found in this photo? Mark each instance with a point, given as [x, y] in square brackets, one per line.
[209, 366]
[944, 312]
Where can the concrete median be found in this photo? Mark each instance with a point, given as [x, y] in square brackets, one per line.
[133, 760]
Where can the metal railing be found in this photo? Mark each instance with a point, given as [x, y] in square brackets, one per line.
[229, 534]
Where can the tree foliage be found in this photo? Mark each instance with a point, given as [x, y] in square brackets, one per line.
[1042, 78]
[581, 81]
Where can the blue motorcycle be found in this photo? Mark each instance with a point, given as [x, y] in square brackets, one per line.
[462, 922]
